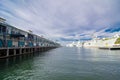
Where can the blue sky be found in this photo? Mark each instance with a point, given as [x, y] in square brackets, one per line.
[64, 20]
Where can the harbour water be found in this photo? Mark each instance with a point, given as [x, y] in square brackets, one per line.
[63, 63]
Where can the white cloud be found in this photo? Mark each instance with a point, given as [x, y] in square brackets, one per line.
[60, 18]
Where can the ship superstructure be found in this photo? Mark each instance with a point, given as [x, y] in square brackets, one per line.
[104, 42]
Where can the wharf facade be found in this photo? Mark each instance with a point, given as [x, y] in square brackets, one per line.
[14, 41]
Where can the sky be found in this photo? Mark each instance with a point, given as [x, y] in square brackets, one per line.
[64, 20]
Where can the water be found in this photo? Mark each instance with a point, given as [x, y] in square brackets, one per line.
[63, 64]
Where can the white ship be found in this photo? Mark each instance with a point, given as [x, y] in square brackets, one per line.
[105, 42]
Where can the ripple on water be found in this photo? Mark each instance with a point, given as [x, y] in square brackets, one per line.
[64, 64]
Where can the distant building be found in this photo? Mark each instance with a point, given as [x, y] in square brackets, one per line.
[75, 44]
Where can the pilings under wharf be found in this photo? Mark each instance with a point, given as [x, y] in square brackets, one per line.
[13, 51]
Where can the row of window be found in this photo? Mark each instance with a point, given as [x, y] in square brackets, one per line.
[20, 35]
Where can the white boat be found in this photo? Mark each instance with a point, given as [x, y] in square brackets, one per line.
[105, 42]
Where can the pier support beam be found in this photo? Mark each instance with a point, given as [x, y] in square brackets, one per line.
[14, 51]
[7, 52]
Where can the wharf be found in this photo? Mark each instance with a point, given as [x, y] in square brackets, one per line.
[14, 41]
[14, 51]
[110, 48]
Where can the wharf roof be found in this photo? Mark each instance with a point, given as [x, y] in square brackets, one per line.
[2, 19]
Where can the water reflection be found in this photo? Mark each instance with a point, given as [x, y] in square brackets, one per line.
[63, 64]
[94, 54]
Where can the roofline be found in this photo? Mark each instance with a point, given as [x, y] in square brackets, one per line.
[2, 19]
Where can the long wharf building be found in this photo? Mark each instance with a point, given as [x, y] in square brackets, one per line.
[14, 41]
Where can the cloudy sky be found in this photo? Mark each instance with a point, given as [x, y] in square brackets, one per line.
[64, 20]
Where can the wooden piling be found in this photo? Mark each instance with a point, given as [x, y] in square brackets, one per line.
[9, 52]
